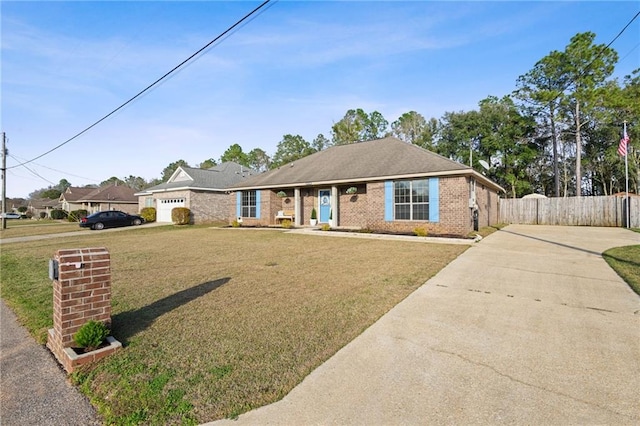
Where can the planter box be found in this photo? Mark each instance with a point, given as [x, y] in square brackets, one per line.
[71, 360]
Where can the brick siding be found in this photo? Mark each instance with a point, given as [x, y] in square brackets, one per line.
[366, 208]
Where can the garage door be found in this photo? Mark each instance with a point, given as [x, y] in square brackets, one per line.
[165, 207]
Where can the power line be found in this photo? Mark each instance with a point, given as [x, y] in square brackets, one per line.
[167, 74]
[604, 49]
[586, 68]
[18, 159]
[34, 172]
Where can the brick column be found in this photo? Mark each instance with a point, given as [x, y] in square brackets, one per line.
[81, 293]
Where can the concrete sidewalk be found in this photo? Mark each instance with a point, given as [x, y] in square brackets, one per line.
[530, 326]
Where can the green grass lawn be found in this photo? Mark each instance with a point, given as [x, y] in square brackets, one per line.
[216, 322]
[27, 227]
[626, 262]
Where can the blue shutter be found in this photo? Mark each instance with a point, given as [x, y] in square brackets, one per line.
[434, 200]
[258, 204]
[388, 201]
[238, 204]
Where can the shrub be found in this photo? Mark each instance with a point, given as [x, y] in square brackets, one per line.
[420, 232]
[286, 223]
[76, 215]
[43, 215]
[236, 223]
[91, 335]
[181, 215]
[58, 214]
[314, 214]
[148, 214]
[22, 209]
[326, 227]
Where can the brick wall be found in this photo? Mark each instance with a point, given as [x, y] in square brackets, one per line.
[454, 215]
[352, 207]
[125, 207]
[209, 207]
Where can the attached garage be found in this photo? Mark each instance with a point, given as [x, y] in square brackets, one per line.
[165, 206]
[205, 192]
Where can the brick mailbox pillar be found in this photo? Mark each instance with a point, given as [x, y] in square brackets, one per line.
[81, 292]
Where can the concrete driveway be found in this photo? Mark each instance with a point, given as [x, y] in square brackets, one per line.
[529, 326]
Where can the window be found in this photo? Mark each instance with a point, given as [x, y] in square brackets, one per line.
[248, 204]
[148, 202]
[411, 200]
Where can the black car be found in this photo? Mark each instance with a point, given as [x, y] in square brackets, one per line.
[110, 219]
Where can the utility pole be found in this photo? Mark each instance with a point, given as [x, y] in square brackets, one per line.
[4, 180]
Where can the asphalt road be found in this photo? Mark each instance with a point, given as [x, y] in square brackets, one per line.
[34, 389]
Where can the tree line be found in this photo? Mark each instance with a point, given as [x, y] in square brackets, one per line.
[556, 134]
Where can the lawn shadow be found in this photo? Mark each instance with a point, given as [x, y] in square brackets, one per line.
[126, 324]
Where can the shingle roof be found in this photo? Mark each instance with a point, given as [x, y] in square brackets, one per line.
[219, 177]
[111, 193]
[41, 203]
[74, 193]
[364, 161]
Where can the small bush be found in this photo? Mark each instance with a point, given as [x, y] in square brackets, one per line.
[326, 227]
[420, 232]
[181, 216]
[236, 223]
[58, 214]
[91, 335]
[148, 214]
[76, 215]
[43, 215]
[314, 214]
[286, 223]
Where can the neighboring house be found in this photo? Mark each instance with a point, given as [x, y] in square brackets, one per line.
[205, 192]
[110, 197]
[41, 205]
[70, 198]
[398, 187]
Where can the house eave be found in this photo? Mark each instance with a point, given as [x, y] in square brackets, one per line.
[108, 201]
[183, 188]
[466, 172]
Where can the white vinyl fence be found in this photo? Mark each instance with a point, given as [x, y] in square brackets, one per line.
[586, 211]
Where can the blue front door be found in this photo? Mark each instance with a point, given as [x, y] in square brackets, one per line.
[324, 197]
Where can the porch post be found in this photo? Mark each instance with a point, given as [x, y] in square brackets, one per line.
[296, 207]
[333, 222]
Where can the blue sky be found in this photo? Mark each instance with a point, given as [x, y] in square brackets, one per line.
[295, 68]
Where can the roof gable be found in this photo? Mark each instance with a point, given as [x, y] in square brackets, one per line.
[72, 193]
[219, 177]
[180, 175]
